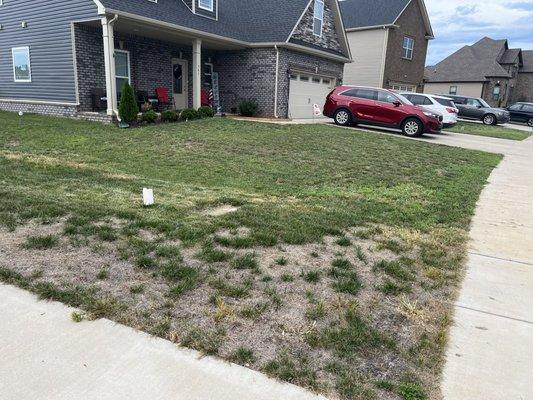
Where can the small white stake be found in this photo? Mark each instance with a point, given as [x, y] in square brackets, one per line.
[148, 197]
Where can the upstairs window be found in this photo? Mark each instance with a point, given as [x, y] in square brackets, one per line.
[206, 4]
[408, 47]
[21, 64]
[318, 18]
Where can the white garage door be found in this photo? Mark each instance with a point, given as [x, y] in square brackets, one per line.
[305, 91]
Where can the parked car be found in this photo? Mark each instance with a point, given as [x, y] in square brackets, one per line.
[350, 105]
[440, 104]
[478, 109]
[522, 112]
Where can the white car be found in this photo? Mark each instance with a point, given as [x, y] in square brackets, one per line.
[440, 104]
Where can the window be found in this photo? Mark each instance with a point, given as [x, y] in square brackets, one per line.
[21, 64]
[206, 4]
[208, 74]
[316, 80]
[385, 97]
[304, 78]
[453, 90]
[496, 93]
[294, 77]
[361, 93]
[474, 103]
[444, 102]
[403, 88]
[318, 19]
[417, 100]
[326, 81]
[122, 69]
[408, 47]
[527, 108]
[516, 107]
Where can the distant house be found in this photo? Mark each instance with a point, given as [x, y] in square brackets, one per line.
[72, 58]
[487, 69]
[389, 41]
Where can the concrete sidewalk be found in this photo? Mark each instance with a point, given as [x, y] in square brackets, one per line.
[46, 356]
[490, 352]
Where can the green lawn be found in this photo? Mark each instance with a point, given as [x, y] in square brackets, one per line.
[496, 131]
[335, 270]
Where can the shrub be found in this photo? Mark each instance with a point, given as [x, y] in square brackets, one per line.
[248, 108]
[206, 112]
[128, 108]
[149, 116]
[189, 113]
[169, 116]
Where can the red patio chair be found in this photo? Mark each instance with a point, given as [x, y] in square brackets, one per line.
[163, 98]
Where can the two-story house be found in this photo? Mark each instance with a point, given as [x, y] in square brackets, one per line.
[488, 69]
[389, 40]
[55, 55]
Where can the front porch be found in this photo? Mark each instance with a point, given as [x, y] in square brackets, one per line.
[113, 51]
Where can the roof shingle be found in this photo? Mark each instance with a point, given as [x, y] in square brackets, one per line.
[364, 13]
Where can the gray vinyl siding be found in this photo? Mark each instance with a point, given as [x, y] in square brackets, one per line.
[48, 36]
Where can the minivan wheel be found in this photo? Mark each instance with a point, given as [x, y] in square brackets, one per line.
[342, 117]
[412, 127]
[530, 122]
[489, 119]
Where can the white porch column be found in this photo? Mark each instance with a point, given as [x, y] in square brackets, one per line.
[196, 73]
[109, 65]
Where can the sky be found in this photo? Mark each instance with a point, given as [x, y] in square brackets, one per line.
[463, 22]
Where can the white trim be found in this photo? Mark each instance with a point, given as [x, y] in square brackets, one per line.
[29, 101]
[74, 62]
[384, 57]
[425, 16]
[368, 28]
[101, 8]
[13, 50]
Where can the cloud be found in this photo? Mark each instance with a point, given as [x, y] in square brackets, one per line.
[463, 22]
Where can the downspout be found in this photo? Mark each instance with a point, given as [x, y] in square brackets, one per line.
[277, 83]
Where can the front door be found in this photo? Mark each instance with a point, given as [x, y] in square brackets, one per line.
[180, 85]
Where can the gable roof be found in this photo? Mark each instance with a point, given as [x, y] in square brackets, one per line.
[365, 14]
[527, 57]
[473, 63]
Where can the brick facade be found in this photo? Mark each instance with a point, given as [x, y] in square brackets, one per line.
[329, 40]
[524, 87]
[56, 110]
[399, 70]
[243, 74]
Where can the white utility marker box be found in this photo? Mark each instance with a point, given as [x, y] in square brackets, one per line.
[148, 197]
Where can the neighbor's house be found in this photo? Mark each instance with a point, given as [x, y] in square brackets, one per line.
[487, 69]
[389, 39]
[55, 55]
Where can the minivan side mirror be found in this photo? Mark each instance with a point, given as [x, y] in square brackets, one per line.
[397, 103]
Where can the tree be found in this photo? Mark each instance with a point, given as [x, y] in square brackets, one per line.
[128, 108]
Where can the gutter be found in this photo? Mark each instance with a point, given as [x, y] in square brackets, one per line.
[277, 83]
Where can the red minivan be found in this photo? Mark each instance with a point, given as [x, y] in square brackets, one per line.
[350, 105]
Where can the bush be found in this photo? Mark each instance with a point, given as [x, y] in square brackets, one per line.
[149, 116]
[189, 113]
[248, 108]
[170, 116]
[128, 108]
[206, 112]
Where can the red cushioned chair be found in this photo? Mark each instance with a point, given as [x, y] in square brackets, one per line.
[163, 98]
